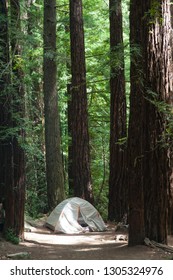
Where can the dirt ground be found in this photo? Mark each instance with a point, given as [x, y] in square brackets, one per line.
[43, 244]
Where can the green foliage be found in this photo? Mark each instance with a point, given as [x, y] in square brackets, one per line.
[96, 20]
[36, 192]
[117, 57]
[154, 13]
[96, 26]
[10, 236]
[166, 110]
[36, 198]
[50, 55]
[155, 10]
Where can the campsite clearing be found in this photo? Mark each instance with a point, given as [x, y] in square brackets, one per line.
[43, 244]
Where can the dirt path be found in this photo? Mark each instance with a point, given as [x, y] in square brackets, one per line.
[42, 244]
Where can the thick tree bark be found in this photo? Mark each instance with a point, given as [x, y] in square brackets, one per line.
[17, 192]
[54, 166]
[80, 176]
[151, 86]
[170, 210]
[117, 187]
[135, 183]
[4, 82]
[160, 86]
[13, 111]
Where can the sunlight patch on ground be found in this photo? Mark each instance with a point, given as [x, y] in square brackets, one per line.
[60, 239]
[88, 249]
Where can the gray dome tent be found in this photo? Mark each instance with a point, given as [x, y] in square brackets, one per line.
[67, 216]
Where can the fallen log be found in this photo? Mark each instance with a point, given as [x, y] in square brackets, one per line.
[19, 256]
[155, 244]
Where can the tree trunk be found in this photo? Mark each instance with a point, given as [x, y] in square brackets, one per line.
[117, 187]
[151, 89]
[14, 162]
[159, 71]
[36, 162]
[54, 166]
[4, 82]
[80, 177]
[135, 183]
[170, 153]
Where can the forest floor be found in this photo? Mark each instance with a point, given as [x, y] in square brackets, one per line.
[42, 244]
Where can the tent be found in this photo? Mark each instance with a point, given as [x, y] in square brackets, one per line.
[72, 213]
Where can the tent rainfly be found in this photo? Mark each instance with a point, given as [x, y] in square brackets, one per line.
[70, 214]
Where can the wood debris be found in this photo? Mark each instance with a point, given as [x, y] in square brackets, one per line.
[155, 244]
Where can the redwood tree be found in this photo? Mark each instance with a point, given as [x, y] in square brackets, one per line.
[117, 187]
[135, 153]
[12, 153]
[35, 111]
[151, 87]
[79, 157]
[54, 166]
[4, 82]
[159, 69]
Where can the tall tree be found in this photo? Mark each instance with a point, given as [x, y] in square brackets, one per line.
[54, 166]
[151, 86]
[35, 169]
[159, 68]
[117, 187]
[170, 208]
[16, 196]
[134, 153]
[4, 82]
[13, 179]
[80, 176]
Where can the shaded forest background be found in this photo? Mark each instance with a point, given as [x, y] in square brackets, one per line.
[86, 110]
